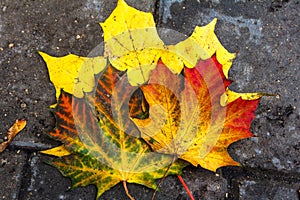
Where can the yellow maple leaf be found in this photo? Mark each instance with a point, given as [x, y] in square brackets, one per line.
[133, 44]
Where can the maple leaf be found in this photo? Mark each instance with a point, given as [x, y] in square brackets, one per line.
[133, 44]
[191, 123]
[101, 140]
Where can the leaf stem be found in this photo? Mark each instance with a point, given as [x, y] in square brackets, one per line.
[126, 190]
[165, 174]
[186, 187]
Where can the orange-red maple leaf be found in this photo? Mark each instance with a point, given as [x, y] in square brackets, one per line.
[187, 119]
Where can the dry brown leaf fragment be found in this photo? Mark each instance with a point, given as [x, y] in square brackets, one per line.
[12, 133]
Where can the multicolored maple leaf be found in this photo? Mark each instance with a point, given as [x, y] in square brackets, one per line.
[102, 139]
[190, 123]
[175, 97]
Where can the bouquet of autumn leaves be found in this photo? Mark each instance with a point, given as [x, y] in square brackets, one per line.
[145, 110]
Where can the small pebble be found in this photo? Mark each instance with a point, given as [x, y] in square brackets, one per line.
[23, 105]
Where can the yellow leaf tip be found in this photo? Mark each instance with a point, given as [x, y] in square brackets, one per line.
[59, 151]
[120, 2]
[43, 54]
[214, 21]
[229, 96]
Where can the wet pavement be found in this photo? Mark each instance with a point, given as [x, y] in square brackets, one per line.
[265, 34]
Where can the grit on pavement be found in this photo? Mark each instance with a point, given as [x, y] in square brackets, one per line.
[266, 35]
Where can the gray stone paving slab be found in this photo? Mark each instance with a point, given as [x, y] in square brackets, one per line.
[252, 190]
[254, 183]
[45, 182]
[11, 172]
[267, 189]
[266, 35]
